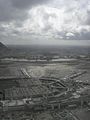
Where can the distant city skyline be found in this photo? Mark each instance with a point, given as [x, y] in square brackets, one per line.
[49, 22]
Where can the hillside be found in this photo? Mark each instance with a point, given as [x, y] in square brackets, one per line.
[2, 46]
[4, 50]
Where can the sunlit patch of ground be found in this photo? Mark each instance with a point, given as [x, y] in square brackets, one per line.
[82, 114]
[44, 116]
[50, 70]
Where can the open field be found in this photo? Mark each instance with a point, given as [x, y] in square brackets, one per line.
[41, 85]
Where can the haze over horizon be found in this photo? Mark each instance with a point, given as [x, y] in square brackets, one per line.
[45, 22]
[52, 43]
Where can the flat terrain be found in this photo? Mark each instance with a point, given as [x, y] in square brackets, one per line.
[59, 70]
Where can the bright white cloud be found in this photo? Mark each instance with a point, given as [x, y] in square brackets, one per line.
[58, 19]
[51, 20]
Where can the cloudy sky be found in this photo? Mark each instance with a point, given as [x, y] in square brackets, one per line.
[45, 22]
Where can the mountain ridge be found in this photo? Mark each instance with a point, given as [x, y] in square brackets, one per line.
[4, 50]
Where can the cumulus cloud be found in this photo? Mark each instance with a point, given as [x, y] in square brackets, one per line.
[56, 19]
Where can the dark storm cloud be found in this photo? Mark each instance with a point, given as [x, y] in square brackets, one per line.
[8, 12]
[5, 10]
[16, 9]
[24, 4]
[79, 36]
[84, 35]
[88, 18]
